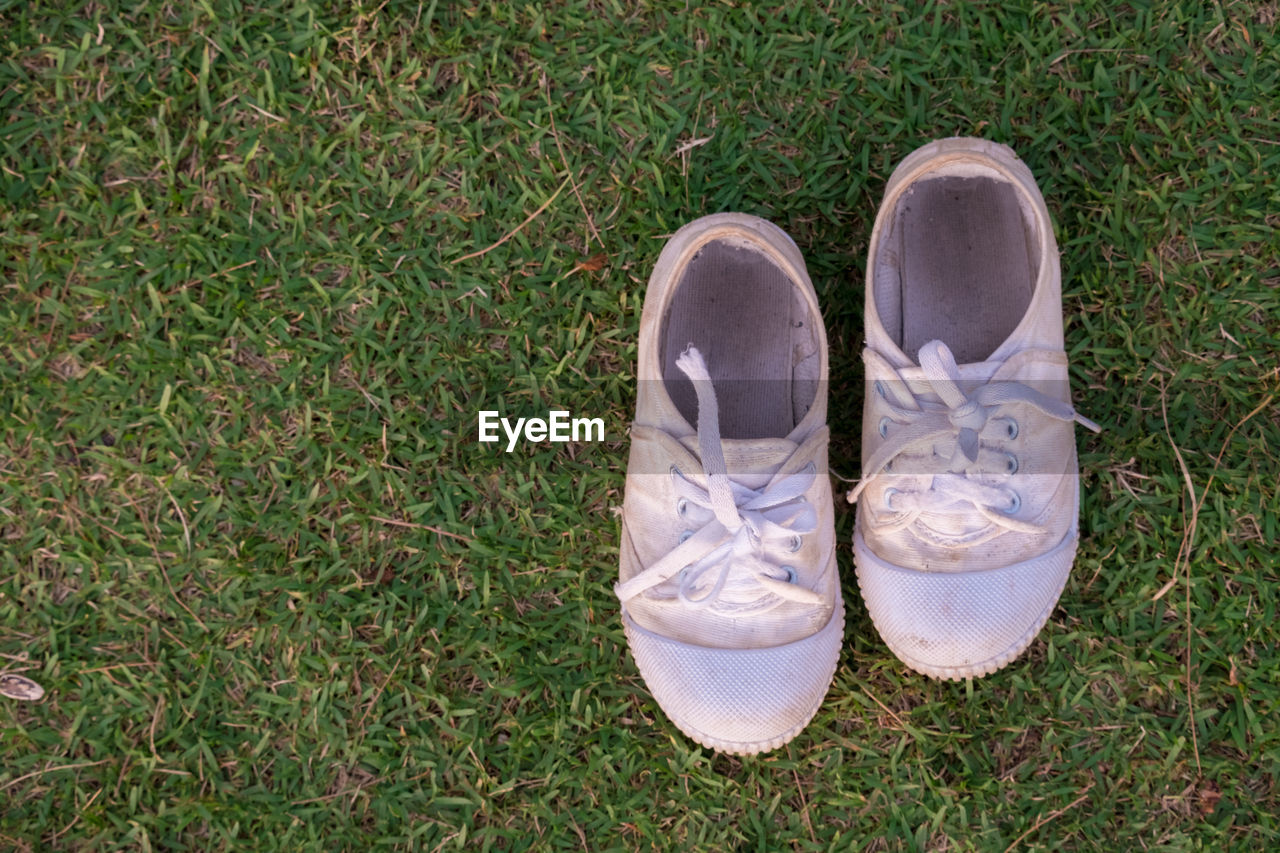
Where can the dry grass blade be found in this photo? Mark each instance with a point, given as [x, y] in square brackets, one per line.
[555, 134]
[1188, 539]
[1184, 557]
[1053, 815]
[514, 231]
[57, 769]
[415, 526]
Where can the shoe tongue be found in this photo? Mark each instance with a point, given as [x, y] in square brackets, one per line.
[750, 461]
[971, 376]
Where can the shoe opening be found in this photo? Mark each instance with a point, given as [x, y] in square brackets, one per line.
[962, 259]
[759, 338]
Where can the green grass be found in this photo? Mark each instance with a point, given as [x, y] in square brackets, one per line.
[281, 598]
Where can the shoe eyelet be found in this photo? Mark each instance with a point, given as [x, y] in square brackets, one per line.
[1016, 504]
[1012, 467]
[682, 507]
[888, 498]
[879, 386]
[884, 426]
[810, 468]
[1012, 429]
[795, 543]
[791, 573]
[684, 537]
[675, 472]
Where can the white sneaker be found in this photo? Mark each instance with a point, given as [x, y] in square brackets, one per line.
[968, 506]
[730, 596]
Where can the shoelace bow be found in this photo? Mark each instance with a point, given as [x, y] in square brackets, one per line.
[743, 523]
[960, 419]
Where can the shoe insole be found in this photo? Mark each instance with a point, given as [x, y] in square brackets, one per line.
[966, 274]
[735, 306]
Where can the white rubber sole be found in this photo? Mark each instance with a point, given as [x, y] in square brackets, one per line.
[974, 670]
[670, 687]
[755, 748]
[957, 625]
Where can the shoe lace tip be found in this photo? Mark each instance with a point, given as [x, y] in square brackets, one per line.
[1092, 426]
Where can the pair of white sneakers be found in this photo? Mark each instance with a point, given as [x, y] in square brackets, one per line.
[969, 498]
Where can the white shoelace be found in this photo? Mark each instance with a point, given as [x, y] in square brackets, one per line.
[961, 419]
[740, 526]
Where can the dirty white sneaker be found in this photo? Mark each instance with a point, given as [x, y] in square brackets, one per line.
[730, 596]
[969, 498]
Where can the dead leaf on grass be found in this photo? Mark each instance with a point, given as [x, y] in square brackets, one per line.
[592, 264]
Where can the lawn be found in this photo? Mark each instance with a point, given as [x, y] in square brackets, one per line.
[264, 264]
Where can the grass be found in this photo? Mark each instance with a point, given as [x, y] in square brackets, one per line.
[281, 598]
